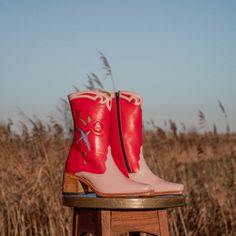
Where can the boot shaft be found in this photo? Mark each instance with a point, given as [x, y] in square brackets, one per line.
[126, 125]
[91, 117]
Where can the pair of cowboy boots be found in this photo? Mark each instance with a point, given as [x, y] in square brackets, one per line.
[106, 154]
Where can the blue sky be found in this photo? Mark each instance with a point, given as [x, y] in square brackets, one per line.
[179, 55]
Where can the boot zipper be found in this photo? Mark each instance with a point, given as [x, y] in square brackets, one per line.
[120, 131]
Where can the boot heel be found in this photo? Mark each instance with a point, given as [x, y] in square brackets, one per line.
[72, 184]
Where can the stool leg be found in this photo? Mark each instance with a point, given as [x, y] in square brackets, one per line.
[163, 222]
[75, 230]
[105, 224]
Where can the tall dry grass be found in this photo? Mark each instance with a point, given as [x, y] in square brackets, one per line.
[32, 164]
[206, 164]
[31, 169]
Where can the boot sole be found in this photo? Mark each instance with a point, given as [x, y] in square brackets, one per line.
[167, 193]
[73, 184]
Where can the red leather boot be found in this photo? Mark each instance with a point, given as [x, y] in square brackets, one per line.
[90, 164]
[127, 125]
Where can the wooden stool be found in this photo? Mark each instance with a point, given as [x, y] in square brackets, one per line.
[115, 216]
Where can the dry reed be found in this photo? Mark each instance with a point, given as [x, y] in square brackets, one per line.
[32, 163]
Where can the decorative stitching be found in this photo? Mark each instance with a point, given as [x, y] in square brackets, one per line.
[129, 97]
[104, 99]
[84, 138]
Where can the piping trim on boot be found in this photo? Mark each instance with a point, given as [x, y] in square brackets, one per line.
[103, 96]
[129, 96]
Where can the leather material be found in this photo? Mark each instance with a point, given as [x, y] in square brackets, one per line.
[131, 125]
[91, 117]
[131, 121]
[114, 139]
[90, 156]
[145, 175]
[113, 180]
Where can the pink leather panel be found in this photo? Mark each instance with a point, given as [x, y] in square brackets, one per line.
[113, 181]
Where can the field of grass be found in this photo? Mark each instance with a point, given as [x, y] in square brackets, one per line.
[31, 170]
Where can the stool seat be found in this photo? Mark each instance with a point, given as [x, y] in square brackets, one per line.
[114, 216]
